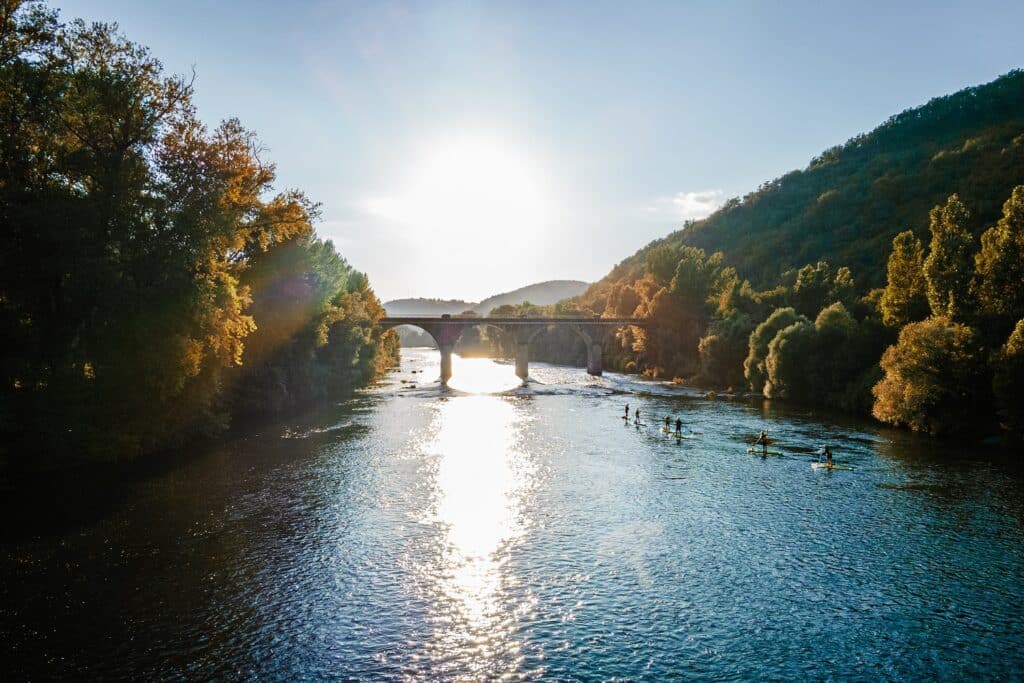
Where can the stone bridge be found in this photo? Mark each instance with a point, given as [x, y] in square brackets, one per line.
[446, 331]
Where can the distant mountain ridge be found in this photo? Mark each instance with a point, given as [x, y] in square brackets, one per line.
[541, 294]
[427, 306]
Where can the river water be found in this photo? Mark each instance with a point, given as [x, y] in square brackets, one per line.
[495, 531]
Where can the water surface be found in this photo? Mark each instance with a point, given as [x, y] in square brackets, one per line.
[496, 531]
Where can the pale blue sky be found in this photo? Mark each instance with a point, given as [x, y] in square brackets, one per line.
[462, 149]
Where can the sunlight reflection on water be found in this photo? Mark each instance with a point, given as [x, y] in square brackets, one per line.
[482, 376]
[482, 480]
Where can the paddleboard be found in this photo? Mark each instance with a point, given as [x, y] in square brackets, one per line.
[758, 451]
[823, 466]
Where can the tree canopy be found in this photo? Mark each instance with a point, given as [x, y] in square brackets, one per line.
[145, 259]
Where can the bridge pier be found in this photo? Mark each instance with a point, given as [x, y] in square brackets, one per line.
[518, 333]
[595, 364]
[446, 361]
[523, 360]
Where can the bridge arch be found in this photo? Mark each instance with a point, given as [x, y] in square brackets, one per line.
[447, 330]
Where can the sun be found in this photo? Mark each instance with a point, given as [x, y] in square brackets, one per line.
[467, 187]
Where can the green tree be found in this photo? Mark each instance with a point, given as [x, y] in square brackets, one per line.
[661, 262]
[811, 288]
[760, 338]
[790, 367]
[905, 298]
[1008, 383]
[813, 363]
[844, 289]
[1000, 265]
[723, 349]
[695, 277]
[948, 268]
[935, 379]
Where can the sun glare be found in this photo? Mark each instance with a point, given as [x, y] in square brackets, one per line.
[481, 480]
[459, 186]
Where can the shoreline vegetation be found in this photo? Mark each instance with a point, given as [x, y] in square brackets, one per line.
[923, 329]
[154, 284]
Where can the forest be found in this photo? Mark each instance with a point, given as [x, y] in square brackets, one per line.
[153, 282]
[909, 308]
[850, 201]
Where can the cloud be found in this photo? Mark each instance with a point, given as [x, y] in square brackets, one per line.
[687, 206]
[695, 205]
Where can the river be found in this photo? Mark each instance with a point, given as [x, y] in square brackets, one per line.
[495, 531]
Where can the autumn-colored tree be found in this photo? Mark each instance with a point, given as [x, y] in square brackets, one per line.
[935, 379]
[127, 232]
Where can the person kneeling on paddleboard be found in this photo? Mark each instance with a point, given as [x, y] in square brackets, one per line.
[762, 440]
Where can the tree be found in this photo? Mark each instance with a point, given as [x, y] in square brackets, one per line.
[140, 251]
[723, 349]
[1008, 383]
[790, 369]
[947, 269]
[694, 279]
[844, 289]
[661, 262]
[753, 367]
[905, 298]
[814, 363]
[811, 288]
[999, 265]
[934, 379]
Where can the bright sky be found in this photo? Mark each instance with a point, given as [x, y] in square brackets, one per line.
[462, 149]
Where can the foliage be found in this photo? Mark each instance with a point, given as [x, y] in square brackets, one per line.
[827, 363]
[934, 378]
[849, 202]
[133, 245]
[786, 375]
[723, 350]
[757, 348]
[1008, 383]
[905, 298]
[999, 265]
[847, 205]
[811, 288]
[304, 296]
[947, 269]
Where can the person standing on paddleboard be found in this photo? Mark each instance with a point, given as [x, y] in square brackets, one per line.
[762, 440]
[679, 426]
[638, 416]
[828, 456]
[627, 411]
